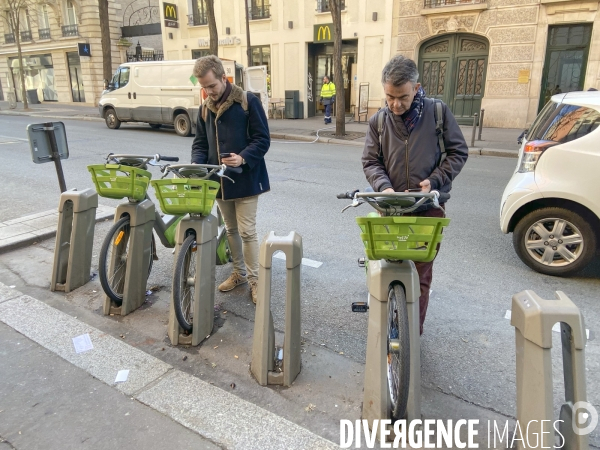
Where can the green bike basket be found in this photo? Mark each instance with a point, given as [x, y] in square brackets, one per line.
[401, 237]
[186, 195]
[119, 181]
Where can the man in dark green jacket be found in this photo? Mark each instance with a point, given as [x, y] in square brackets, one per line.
[410, 154]
[232, 129]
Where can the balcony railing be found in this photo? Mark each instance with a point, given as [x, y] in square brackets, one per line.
[150, 55]
[325, 5]
[197, 19]
[257, 12]
[442, 3]
[44, 33]
[9, 38]
[70, 30]
[26, 36]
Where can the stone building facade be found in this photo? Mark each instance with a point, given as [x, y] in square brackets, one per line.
[293, 38]
[505, 56]
[51, 33]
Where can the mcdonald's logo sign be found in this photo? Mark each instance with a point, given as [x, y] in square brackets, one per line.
[170, 11]
[324, 33]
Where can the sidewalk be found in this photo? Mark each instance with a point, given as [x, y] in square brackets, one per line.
[50, 398]
[494, 142]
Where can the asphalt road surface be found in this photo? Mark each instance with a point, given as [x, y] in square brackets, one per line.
[468, 344]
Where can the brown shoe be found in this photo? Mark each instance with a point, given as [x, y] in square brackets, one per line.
[254, 290]
[235, 279]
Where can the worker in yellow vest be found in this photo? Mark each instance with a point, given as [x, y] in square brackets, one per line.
[327, 98]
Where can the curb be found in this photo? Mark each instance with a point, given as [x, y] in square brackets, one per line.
[52, 116]
[494, 152]
[40, 236]
[321, 140]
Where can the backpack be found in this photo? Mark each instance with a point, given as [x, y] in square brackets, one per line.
[438, 114]
[244, 106]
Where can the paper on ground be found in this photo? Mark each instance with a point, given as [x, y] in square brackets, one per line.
[82, 343]
[122, 376]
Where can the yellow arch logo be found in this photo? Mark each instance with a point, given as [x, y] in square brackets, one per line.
[170, 11]
[324, 33]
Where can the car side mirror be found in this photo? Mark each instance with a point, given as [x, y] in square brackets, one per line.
[111, 86]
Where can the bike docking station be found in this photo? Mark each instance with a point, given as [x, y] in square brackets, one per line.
[205, 253]
[533, 319]
[76, 211]
[376, 401]
[264, 366]
[139, 252]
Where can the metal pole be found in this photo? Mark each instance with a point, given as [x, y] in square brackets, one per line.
[480, 123]
[474, 129]
[56, 156]
[248, 51]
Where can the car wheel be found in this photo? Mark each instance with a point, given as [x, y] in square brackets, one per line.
[554, 241]
[183, 125]
[111, 119]
[156, 126]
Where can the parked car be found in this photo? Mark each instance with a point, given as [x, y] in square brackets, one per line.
[552, 202]
[165, 93]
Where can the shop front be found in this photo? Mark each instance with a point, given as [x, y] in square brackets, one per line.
[39, 77]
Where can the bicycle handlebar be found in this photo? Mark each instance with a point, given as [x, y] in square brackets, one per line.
[378, 200]
[155, 157]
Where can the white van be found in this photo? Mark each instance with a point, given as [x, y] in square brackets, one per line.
[167, 93]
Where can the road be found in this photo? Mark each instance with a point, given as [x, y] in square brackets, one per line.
[468, 345]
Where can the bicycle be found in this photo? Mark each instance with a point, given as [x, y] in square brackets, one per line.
[190, 192]
[392, 236]
[125, 176]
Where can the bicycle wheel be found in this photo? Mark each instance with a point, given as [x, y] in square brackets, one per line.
[184, 280]
[223, 251]
[117, 243]
[398, 351]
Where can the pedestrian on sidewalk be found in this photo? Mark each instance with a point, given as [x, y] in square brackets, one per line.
[327, 97]
[232, 129]
[408, 154]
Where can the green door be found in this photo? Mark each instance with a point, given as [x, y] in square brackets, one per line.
[453, 68]
[566, 60]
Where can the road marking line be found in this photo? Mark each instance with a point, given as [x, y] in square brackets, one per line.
[305, 261]
[555, 328]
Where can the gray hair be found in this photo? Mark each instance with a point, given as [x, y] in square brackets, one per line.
[400, 70]
[206, 63]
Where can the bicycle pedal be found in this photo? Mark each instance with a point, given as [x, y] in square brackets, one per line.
[360, 307]
[361, 262]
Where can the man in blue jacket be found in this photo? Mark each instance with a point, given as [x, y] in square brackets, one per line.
[232, 129]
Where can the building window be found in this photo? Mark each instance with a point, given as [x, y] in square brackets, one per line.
[259, 9]
[325, 5]
[71, 15]
[44, 24]
[261, 56]
[198, 16]
[199, 53]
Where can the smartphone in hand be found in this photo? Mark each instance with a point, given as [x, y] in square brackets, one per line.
[225, 155]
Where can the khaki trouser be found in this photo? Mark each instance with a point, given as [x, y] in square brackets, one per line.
[239, 216]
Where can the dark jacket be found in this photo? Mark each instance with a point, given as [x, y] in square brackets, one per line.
[410, 159]
[233, 130]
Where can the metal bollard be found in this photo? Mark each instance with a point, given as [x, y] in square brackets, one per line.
[474, 129]
[533, 319]
[263, 347]
[74, 239]
[138, 256]
[205, 229]
[480, 124]
[376, 403]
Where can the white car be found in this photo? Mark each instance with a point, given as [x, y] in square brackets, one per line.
[552, 202]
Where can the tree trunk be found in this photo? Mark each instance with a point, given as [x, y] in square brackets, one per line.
[212, 27]
[16, 26]
[338, 77]
[105, 39]
[248, 49]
